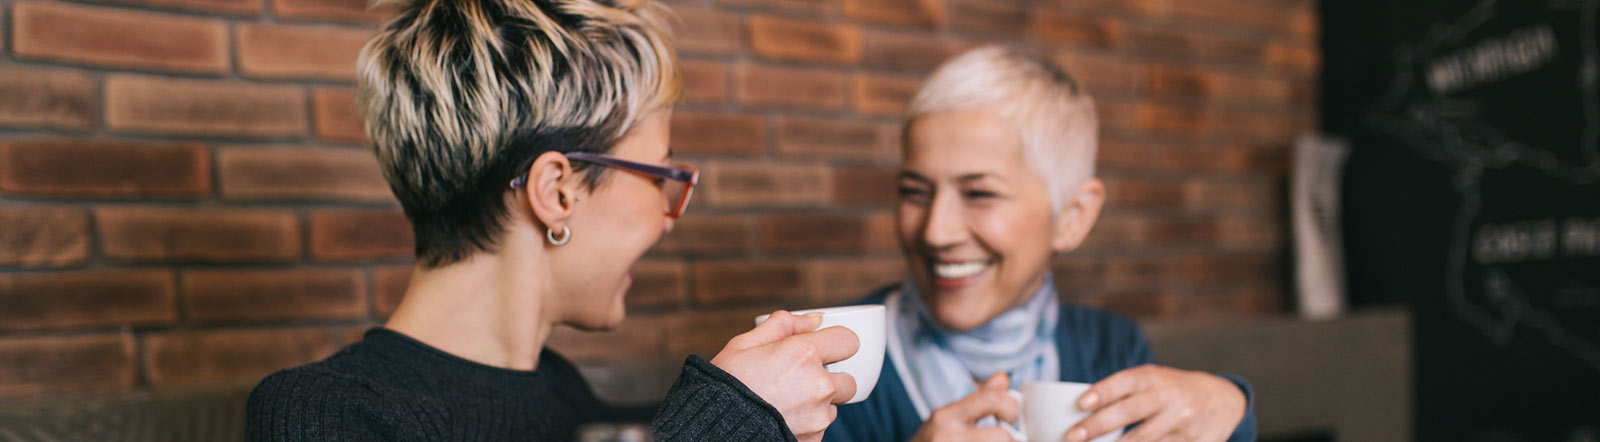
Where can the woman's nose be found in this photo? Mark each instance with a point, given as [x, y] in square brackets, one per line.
[945, 225]
[666, 226]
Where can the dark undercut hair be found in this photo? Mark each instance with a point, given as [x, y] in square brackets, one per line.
[460, 97]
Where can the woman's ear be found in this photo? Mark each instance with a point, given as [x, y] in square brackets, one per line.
[551, 189]
[1079, 215]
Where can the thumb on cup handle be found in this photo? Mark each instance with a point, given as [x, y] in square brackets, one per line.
[776, 327]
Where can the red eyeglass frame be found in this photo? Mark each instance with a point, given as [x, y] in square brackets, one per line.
[681, 173]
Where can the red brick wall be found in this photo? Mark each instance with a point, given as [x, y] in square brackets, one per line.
[185, 198]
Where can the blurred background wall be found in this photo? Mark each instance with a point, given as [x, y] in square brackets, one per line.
[185, 198]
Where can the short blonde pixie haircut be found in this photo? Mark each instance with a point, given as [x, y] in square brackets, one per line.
[460, 96]
[1056, 117]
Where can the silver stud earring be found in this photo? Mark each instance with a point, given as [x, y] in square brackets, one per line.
[566, 235]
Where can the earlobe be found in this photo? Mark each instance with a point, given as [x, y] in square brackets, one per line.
[1079, 215]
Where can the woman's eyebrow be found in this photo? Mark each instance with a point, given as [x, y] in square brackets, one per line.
[979, 176]
[909, 175]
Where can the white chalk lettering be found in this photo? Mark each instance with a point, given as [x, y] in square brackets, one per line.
[1518, 52]
[1580, 237]
[1501, 243]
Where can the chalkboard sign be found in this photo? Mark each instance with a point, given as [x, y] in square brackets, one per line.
[1472, 194]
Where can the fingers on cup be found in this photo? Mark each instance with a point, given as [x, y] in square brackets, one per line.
[1119, 414]
[834, 344]
[1161, 426]
[990, 434]
[844, 387]
[1113, 388]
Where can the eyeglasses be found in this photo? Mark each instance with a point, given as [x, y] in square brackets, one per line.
[676, 182]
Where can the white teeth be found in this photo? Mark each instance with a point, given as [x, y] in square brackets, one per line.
[958, 269]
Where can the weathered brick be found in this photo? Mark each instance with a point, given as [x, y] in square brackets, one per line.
[1270, 127]
[255, 295]
[705, 81]
[790, 87]
[230, 356]
[1102, 73]
[100, 168]
[1169, 119]
[1090, 31]
[707, 31]
[913, 52]
[1296, 59]
[989, 16]
[55, 98]
[838, 281]
[658, 284]
[284, 51]
[119, 37]
[639, 337]
[43, 236]
[168, 234]
[805, 6]
[833, 138]
[203, 107]
[1115, 115]
[1265, 195]
[227, 7]
[388, 287]
[1260, 89]
[746, 282]
[345, 10]
[883, 232]
[336, 118]
[1181, 230]
[760, 184]
[706, 332]
[697, 233]
[1212, 47]
[923, 13]
[1131, 192]
[1144, 8]
[1235, 14]
[53, 365]
[785, 232]
[883, 94]
[285, 172]
[1159, 41]
[85, 299]
[718, 133]
[809, 41]
[1251, 232]
[865, 185]
[360, 234]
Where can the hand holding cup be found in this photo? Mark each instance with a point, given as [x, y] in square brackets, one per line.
[782, 361]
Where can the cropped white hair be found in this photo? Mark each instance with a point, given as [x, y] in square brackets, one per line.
[1055, 115]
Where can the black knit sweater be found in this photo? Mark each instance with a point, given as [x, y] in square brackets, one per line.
[389, 387]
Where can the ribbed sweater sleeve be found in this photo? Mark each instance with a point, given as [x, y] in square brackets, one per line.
[708, 404]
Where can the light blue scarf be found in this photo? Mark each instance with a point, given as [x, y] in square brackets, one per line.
[941, 366]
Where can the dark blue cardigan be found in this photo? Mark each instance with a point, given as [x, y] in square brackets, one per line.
[1092, 345]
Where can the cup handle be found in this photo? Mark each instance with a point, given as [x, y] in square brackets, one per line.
[1015, 430]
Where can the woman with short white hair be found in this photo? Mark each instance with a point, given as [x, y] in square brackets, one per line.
[997, 176]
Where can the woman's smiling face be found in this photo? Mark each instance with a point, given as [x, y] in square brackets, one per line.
[975, 221]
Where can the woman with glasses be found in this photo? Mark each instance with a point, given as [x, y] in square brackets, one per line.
[527, 143]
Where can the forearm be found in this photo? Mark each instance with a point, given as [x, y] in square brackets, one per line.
[708, 404]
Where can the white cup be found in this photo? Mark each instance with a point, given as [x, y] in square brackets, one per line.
[1048, 410]
[867, 322]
